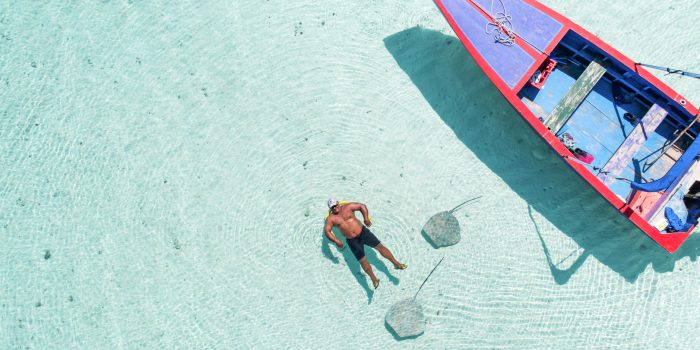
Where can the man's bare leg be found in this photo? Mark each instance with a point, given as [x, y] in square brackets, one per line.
[368, 270]
[387, 254]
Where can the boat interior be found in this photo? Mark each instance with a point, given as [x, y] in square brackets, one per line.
[624, 129]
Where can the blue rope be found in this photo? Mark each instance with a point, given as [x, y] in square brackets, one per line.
[671, 70]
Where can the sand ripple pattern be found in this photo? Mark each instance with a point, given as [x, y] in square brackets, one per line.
[166, 169]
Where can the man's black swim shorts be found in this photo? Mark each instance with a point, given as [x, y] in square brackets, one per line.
[357, 244]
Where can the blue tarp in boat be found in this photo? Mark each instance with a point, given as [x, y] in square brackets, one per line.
[681, 167]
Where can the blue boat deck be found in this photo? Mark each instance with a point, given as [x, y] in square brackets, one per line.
[629, 131]
[598, 126]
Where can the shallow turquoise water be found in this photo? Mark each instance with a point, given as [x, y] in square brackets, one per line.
[167, 166]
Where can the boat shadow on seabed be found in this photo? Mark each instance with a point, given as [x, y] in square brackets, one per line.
[462, 95]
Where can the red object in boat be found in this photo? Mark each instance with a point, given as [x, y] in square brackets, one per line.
[539, 31]
[540, 76]
[585, 157]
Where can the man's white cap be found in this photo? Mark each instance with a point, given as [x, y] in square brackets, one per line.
[331, 202]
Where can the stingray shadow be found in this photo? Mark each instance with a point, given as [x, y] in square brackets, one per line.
[428, 239]
[396, 336]
[461, 94]
[354, 266]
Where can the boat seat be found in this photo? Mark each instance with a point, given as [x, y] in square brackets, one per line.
[641, 132]
[575, 96]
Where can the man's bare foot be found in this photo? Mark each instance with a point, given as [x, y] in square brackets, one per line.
[376, 284]
[401, 266]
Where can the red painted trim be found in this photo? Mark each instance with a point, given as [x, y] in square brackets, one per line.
[557, 38]
[529, 49]
[490, 72]
[538, 56]
[528, 74]
[518, 40]
[670, 242]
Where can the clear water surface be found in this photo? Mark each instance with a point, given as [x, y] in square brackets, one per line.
[166, 166]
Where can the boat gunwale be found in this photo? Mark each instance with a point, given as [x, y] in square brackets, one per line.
[670, 242]
[622, 58]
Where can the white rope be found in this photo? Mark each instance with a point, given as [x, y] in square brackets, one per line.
[501, 27]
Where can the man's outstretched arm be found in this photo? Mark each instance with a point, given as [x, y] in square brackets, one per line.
[363, 209]
[328, 229]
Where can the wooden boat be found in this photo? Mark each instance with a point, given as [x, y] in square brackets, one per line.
[629, 135]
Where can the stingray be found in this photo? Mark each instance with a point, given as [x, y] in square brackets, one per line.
[442, 229]
[406, 317]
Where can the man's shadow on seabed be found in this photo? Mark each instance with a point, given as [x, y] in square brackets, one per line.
[354, 265]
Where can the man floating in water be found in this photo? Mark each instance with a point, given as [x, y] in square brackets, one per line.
[356, 234]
